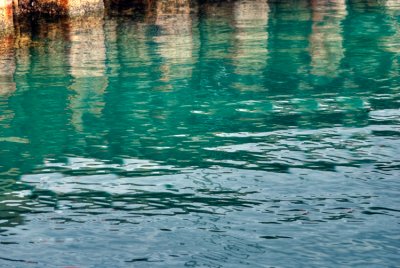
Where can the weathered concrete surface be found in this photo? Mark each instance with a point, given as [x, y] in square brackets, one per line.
[71, 8]
[6, 17]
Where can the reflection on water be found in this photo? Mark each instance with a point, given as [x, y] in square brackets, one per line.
[87, 68]
[250, 58]
[176, 41]
[326, 40]
[203, 134]
[7, 66]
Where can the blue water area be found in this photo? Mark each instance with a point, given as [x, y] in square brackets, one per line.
[203, 134]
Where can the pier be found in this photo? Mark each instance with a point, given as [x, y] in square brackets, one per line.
[17, 10]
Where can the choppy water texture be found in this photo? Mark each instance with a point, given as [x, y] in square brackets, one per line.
[234, 134]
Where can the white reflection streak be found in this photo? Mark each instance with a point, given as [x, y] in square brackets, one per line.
[111, 183]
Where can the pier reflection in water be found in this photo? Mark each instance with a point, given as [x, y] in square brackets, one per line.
[250, 58]
[7, 67]
[87, 68]
[326, 41]
[203, 133]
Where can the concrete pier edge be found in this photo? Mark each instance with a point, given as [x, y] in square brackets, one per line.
[10, 10]
[6, 17]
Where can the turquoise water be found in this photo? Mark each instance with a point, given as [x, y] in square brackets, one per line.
[233, 134]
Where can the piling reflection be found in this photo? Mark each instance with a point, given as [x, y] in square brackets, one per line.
[176, 43]
[390, 41]
[326, 39]
[217, 29]
[251, 54]
[7, 66]
[7, 113]
[217, 35]
[364, 55]
[87, 63]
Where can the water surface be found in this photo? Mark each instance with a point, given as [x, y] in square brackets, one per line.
[231, 134]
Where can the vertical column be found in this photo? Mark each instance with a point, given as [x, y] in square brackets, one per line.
[7, 114]
[175, 43]
[326, 39]
[7, 66]
[217, 37]
[176, 53]
[87, 62]
[6, 16]
[251, 53]
[391, 40]
[367, 64]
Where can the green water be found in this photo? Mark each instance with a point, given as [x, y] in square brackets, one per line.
[232, 134]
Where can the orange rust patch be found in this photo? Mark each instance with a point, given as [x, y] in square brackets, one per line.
[64, 3]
